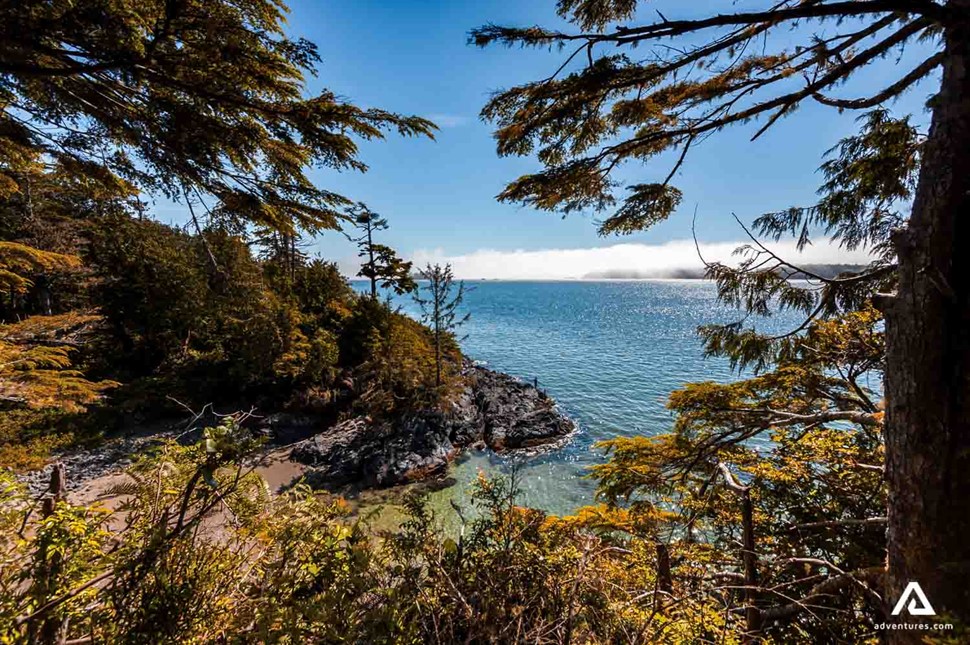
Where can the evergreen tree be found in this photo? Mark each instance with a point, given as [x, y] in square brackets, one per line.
[282, 251]
[381, 264]
[185, 98]
[711, 72]
[440, 308]
[202, 102]
[45, 208]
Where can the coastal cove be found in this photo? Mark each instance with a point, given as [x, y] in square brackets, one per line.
[608, 352]
[575, 322]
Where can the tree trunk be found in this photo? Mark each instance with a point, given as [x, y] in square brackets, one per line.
[928, 362]
[44, 300]
[665, 579]
[370, 256]
[49, 628]
[749, 556]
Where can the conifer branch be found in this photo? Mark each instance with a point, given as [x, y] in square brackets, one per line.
[890, 92]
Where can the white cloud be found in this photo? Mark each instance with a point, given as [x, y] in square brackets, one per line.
[448, 120]
[642, 260]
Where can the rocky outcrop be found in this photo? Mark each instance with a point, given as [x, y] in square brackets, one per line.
[494, 410]
[510, 414]
[368, 454]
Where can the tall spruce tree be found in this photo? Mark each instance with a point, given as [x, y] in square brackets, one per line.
[439, 309]
[702, 75]
[381, 264]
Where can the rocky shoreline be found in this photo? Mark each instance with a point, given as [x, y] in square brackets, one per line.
[494, 411]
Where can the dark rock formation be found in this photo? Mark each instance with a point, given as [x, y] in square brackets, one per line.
[368, 454]
[283, 428]
[510, 414]
[494, 410]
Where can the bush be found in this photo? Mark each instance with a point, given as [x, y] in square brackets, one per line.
[393, 359]
[206, 554]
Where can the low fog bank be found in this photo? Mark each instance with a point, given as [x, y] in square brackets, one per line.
[820, 270]
[675, 259]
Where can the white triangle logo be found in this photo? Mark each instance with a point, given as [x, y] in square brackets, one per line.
[918, 605]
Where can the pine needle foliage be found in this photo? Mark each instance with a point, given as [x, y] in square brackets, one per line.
[185, 99]
[801, 447]
[608, 104]
[36, 368]
[19, 261]
[869, 182]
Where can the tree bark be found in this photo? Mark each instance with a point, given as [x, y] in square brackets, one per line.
[749, 557]
[370, 258]
[665, 579]
[928, 360]
[48, 630]
[752, 614]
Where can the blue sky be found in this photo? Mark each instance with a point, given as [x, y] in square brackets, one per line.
[412, 57]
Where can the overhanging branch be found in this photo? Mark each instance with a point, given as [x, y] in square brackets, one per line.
[892, 91]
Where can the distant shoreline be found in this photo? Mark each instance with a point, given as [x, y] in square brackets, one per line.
[674, 275]
[821, 270]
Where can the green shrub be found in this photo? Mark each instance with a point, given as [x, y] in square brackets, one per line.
[201, 552]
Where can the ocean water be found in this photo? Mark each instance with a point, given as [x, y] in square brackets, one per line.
[609, 352]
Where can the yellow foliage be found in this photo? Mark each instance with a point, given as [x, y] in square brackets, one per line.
[606, 517]
[17, 261]
[35, 363]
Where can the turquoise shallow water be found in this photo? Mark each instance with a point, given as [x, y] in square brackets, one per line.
[609, 353]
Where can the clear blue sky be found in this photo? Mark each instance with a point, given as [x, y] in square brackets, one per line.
[412, 57]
